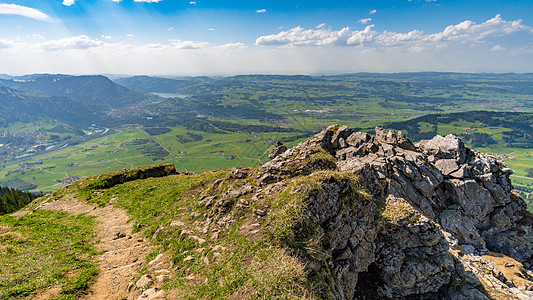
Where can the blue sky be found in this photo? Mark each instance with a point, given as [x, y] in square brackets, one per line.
[175, 37]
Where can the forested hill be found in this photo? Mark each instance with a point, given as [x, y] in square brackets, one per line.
[149, 84]
[91, 90]
[24, 107]
[12, 200]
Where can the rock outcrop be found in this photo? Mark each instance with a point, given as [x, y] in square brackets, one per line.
[435, 208]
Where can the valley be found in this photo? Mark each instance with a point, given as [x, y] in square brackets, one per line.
[202, 123]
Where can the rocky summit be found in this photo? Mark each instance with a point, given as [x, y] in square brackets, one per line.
[342, 215]
[442, 221]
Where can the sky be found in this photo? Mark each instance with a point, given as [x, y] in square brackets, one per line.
[208, 37]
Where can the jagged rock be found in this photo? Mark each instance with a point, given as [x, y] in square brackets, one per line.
[390, 137]
[439, 147]
[280, 148]
[437, 206]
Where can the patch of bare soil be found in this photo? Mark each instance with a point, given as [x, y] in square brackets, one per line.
[124, 252]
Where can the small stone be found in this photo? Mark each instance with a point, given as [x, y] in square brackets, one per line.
[152, 293]
[198, 239]
[260, 212]
[176, 223]
[131, 285]
[509, 265]
[157, 260]
[144, 281]
[188, 258]
[217, 247]
[214, 236]
[119, 235]
[162, 278]
[185, 232]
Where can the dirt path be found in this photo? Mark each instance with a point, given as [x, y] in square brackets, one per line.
[124, 254]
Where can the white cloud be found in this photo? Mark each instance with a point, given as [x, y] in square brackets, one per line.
[192, 3]
[372, 12]
[77, 42]
[495, 31]
[28, 12]
[233, 46]
[211, 29]
[365, 21]
[68, 2]
[178, 44]
[130, 36]
[170, 28]
[106, 37]
[495, 45]
[148, 1]
[319, 37]
[320, 25]
[261, 11]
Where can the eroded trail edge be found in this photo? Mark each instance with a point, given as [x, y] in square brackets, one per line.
[123, 255]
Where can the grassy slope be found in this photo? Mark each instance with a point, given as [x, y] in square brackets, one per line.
[246, 259]
[46, 249]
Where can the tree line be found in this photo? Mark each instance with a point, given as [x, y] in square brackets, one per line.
[12, 199]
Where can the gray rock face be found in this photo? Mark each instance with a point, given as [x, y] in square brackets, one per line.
[445, 189]
[425, 204]
[467, 192]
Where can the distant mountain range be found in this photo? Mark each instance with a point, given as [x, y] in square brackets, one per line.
[70, 99]
[150, 84]
[20, 106]
[93, 90]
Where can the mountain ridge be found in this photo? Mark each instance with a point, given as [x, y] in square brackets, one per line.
[92, 90]
[342, 215]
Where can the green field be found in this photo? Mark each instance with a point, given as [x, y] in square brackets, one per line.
[234, 121]
[107, 154]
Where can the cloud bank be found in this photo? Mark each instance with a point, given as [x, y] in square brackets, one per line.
[496, 45]
[466, 33]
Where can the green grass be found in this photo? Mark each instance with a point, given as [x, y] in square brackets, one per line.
[240, 264]
[46, 249]
[110, 153]
[358, 101]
